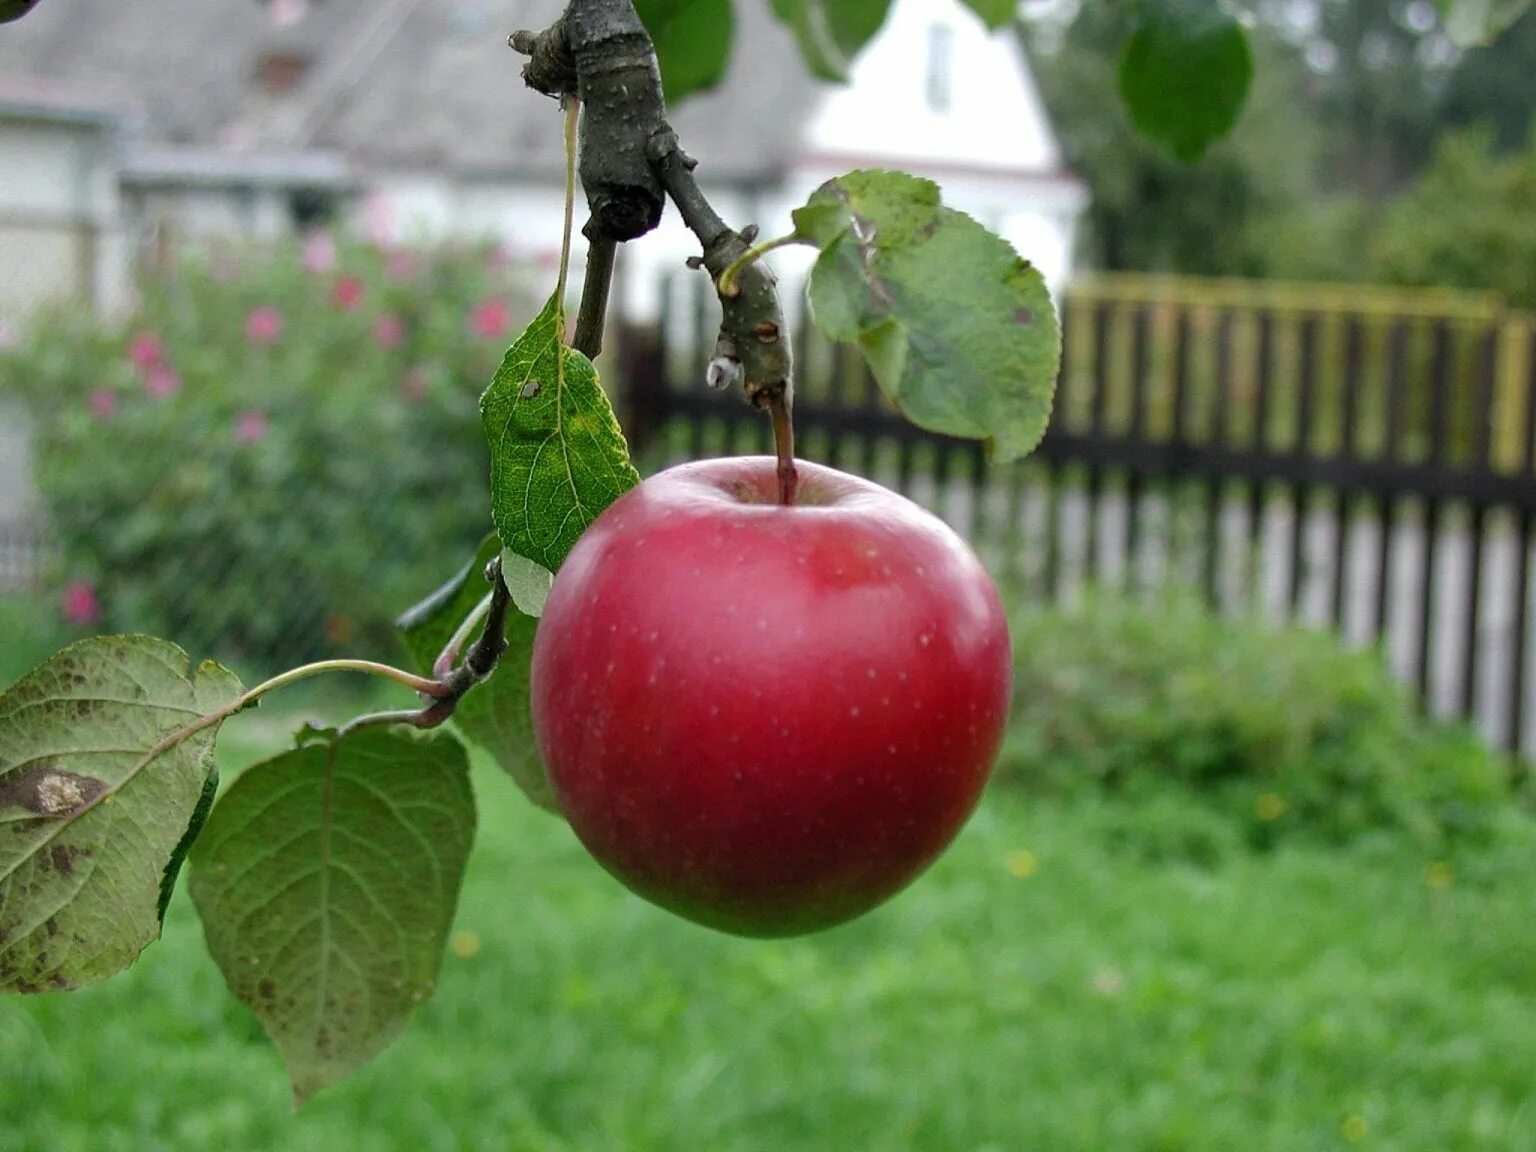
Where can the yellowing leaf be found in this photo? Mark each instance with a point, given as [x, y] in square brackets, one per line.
[96, 809]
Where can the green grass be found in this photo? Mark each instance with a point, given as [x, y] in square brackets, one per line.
[1290, 1000]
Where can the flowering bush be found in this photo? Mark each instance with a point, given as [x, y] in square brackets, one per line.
[276, 452]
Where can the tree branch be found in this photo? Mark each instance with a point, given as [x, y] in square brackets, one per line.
[629, 157]
[593, 313]
[478, 663]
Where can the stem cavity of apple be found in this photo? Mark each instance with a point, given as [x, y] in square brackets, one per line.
[784, 444]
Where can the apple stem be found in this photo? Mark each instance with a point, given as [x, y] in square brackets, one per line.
[784, 443]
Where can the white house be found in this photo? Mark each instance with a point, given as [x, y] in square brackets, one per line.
[406, 118]
[60, 210]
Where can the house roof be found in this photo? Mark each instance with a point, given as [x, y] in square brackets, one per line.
[388, 83]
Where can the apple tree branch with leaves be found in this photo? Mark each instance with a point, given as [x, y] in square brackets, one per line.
[765, 694]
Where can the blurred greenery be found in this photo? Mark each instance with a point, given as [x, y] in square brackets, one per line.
[1469, 222]
[277, 452]
[1278, 732]
[29, 634]
[1357, 105]
[1043, 987]
[1102, 960]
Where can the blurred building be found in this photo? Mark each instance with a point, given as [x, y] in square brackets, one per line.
[128, 128]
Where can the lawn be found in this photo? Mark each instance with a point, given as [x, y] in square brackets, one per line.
[1047, 986]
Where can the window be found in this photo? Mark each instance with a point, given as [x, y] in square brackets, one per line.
[940, 81]
[287, 13]
[311, 208]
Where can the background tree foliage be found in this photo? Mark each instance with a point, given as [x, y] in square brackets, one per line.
[1350, 160]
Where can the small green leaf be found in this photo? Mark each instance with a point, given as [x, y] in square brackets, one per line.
[1474, 22]
[1185, 73]
[95, 814]
[327, 880]
[831, 33]
[693, 42]
[899, 206]
[497, 715]
[958, 331]
[528, 582]
[558, 457]
[994, 13]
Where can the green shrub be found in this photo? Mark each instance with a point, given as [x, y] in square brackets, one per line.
[1284, 731]
[27, 637]
[277, 452]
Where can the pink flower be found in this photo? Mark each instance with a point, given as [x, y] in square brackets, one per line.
[250, 426]
[79, 604]
[400, 265]
[103, 403]
[146, 350]
[379, 214]
[491, 318]
[320, 252]
[161, 380]
[264, 325]
[348, 293]
[388, 331]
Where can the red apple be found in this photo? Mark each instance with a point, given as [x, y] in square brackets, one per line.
[769, 719]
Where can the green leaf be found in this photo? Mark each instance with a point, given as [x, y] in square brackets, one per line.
[994, 13]
[95, 814]
[558, 457]
[1185, 73]
[1474, 22]
[693, 42]
[327, 880]
[831, 33]
[958, 330]
[497, 714]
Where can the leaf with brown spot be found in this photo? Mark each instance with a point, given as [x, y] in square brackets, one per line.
[93, 812]
[326, 880]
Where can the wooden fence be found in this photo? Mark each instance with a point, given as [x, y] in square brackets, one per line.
[1359, 459]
